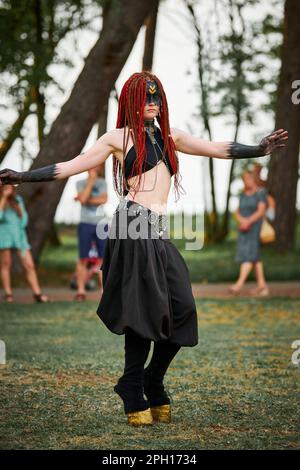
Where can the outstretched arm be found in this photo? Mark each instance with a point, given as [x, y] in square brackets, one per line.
[93, 157]
[187, 143]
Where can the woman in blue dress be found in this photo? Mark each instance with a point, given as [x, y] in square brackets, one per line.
[250, 214]
[13, 221]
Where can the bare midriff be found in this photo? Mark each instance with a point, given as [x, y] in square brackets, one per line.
[154, 186]
[152, 194]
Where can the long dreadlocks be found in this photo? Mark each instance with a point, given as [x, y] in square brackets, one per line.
[131, 117]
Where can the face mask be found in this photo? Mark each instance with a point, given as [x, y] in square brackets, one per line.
[153, 93]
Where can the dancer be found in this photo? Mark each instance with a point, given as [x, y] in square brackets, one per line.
[147, 294]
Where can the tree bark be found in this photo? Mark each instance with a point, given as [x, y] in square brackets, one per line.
[238, 68]
[283, 168]
[90, 93]
[150, 37]
[212, 220]
[102, 128]
[39, 97]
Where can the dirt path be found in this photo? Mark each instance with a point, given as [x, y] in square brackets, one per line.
[277, 289]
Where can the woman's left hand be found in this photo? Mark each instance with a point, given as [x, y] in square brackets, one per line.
[275, 140]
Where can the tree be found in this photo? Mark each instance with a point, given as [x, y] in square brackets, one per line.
[283, 168]
[31, 31]
[227, 63]
[90, 93]
[204, 80]
[150, 37]
[150, 23]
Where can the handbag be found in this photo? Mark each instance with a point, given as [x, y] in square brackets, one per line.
[267, 232]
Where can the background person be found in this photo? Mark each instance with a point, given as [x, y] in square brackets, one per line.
[252, 207]
[13, 221]
[92, 194]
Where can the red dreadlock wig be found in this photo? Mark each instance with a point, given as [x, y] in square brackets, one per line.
[131, 117]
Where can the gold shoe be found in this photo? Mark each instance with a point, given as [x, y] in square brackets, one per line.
[140, 418]
[161, 414]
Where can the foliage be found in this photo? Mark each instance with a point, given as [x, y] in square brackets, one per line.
[238, 54]
[31, 31]
[237, 74]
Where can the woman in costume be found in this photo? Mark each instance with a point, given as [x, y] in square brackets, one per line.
[147, 294]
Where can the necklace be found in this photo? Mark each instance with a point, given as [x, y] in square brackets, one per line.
[150, 128]
[154, 142]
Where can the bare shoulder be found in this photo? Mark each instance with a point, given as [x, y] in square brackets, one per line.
[176, 134]
[110, 138]
[114, 138]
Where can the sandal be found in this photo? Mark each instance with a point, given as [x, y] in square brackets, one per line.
[80, 297]
[234, 290]
[260, 291]
[8, 298]
[40, 298]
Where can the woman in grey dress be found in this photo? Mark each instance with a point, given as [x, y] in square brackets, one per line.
[250, 214]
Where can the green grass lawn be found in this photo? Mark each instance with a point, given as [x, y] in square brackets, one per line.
[237, 389]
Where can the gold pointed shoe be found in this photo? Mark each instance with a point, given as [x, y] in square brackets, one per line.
[140, 418]
[161, 414]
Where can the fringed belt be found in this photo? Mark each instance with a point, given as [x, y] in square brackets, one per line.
[157, 221]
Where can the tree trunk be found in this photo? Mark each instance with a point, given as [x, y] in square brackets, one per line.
[39, 97]
[102, 128]
[53, 237]
[90, 93]
[212, 222]
[283, 168]
[238, 68]
[150, 37]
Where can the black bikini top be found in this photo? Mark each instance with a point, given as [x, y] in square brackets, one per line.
[151, 159]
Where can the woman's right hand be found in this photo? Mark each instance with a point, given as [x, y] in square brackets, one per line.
[8, 176]
[244, 225]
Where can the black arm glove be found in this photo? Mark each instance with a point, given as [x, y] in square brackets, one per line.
[267, 145]
[46, 173]
[245, 151]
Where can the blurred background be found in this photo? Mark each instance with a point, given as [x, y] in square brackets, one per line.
[229, 70]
